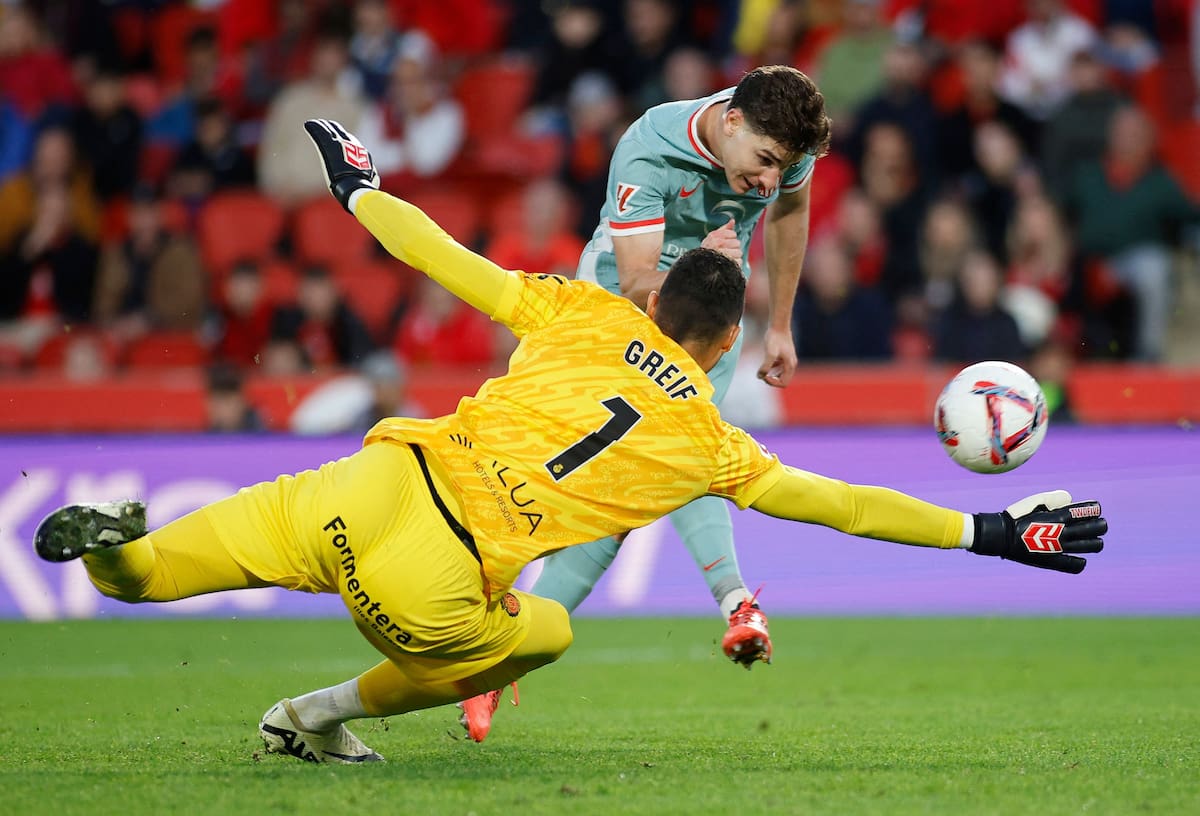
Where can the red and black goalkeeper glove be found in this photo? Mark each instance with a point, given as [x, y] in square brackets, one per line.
[347, 164]
[1042, 531]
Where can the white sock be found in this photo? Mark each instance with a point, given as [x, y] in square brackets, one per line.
[731, 600]
[968, 534]
[330, 707]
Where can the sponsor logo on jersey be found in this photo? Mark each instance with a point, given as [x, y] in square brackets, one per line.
[511, 604]
[1042, 537]
[625, 193]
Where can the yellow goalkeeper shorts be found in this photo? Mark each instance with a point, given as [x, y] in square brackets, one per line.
[368, 527]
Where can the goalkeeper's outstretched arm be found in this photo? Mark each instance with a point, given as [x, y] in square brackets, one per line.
[405, 231]
[1045, 530]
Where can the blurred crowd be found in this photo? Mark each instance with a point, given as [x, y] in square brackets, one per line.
[1009, 178]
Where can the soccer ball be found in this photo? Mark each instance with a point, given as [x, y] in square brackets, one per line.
[991, 417]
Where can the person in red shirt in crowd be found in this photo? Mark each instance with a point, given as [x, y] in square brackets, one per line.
[242, 323]
[440, 329]
[327, 330]
[544, 244]
[33, 74]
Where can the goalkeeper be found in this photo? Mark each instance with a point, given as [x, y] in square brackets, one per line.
[603, 423]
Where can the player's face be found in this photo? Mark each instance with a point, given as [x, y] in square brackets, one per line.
[752, 161]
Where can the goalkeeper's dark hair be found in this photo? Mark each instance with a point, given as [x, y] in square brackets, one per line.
[783, 104]
[701, 298]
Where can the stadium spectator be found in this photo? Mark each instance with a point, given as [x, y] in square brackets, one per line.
[850, 66]
[688, 73]
[229, 411]
[439, 329]
[993, 190]
[54, 164]
[975, 327]
[387, 377]
[48, 276]
[859, 231]
[282, 58]
[213, 160]
[108, 133]
[1078, 131]
[948, 237]
[419, 127]
[1125, 210]
[322, 323]
[1038, 54]
[1041, 256]
[979, 63]
[153, 279]
[579, 47]
[374, 46]
[545, 243]
[651, 31]
[596, 121]
[285, 170]
[34, 75]
[206, 76]
[834, 318]
[902, 101]
[240, 323]
[893, 185]
[1051, 364]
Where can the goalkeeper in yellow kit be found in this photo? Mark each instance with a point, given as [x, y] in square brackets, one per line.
[602, 424]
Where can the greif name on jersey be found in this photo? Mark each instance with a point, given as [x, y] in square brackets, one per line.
[649, 361]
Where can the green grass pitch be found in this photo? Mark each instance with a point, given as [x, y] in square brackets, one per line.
[856, 716]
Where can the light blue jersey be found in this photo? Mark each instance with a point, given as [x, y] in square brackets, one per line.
[663, 179]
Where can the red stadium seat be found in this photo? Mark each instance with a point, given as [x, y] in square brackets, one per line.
[373, 289]
[494, 95]
[53, 352]
[166, 350]
[239, 225]
[323, 233]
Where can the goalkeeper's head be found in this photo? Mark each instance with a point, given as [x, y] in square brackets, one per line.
[783, 104]
[700, 304]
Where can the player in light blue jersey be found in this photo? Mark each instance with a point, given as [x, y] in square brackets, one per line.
[688, 174]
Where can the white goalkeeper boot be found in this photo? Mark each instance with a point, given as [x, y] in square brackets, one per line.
[71, 531]
[282, 734]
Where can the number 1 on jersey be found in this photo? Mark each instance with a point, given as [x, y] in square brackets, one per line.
[624, 417]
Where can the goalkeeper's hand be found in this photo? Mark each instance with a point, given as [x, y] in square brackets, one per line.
[1041, 531]
[347, 164]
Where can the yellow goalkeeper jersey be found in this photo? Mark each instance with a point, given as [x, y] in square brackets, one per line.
[601, 425]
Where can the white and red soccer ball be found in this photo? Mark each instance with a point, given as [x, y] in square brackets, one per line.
[991, 417]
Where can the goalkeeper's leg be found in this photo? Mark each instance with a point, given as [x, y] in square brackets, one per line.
[395, 686]
[178, 560]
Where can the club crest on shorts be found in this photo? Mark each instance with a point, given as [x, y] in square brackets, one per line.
[512, 604]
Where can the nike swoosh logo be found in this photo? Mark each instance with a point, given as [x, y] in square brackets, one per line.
[707, 567]
[684, 193]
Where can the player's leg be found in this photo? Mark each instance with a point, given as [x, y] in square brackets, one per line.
[569, 575]
[706, 529]
[180, 559]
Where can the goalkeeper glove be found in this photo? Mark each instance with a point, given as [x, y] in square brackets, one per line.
[1041, 531]
[347, 165]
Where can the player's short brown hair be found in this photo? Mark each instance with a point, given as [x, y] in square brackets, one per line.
[784, 104]
[702, 296]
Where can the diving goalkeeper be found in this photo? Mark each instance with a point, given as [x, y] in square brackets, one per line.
[603, 423]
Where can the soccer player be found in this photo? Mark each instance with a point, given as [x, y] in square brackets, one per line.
[603, 423]
[701, 173]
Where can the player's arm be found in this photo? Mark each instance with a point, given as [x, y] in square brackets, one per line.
[637, 265]
[1040, 531]
[403, 229]
[785, 237]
